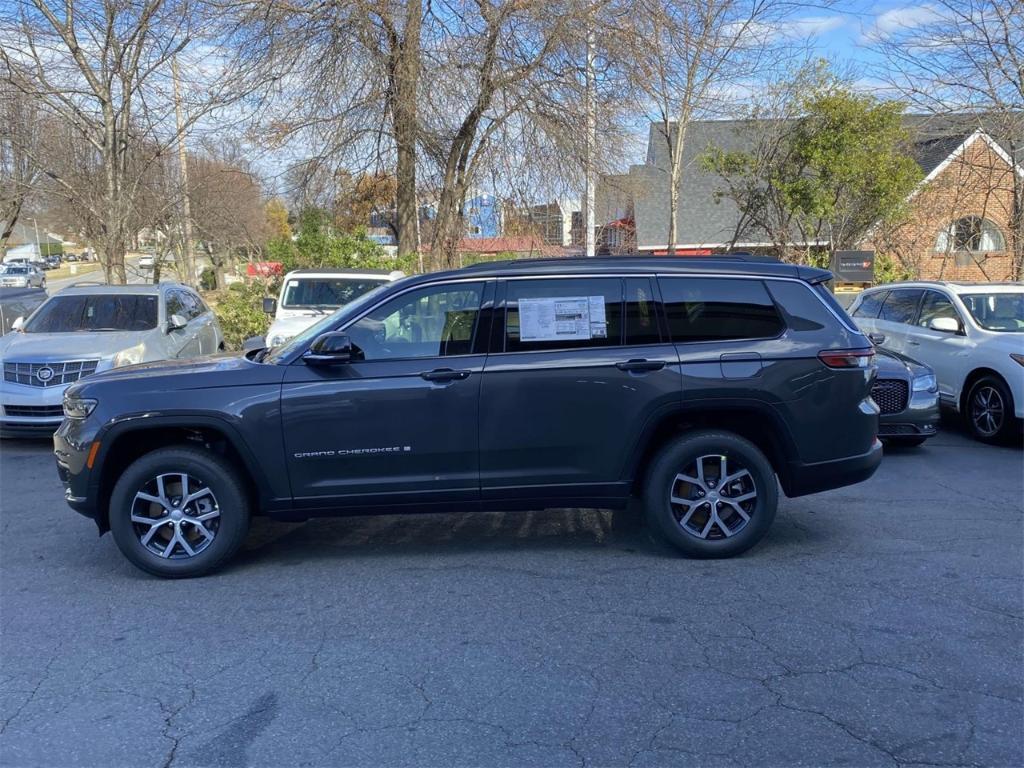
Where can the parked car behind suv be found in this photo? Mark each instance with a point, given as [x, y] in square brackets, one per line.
[89, 328]
[972, 335]
[698, 384]
[22, 276]
[309, 294]
[907, 397]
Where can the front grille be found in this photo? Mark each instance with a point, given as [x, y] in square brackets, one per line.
[38, 411]
[48, 374]
[897, 429]
[890, 394]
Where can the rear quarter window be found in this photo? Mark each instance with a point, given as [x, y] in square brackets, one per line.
[870, 304]
[719, 309]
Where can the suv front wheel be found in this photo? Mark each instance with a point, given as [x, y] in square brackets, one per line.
[179, 512]
[711, 494]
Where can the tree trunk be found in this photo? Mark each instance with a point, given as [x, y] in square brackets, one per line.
[405, 70]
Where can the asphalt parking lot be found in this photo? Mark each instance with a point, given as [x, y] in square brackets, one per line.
[876, 625]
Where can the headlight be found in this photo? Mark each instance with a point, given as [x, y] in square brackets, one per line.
[925, 383]
[278, 340]
[130, 356]
[78, 408]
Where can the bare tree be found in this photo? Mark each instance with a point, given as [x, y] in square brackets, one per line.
[692, 57]
[21, 132]
[967, 56]
[101, 67]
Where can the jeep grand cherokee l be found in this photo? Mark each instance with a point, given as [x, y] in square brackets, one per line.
[700, 385]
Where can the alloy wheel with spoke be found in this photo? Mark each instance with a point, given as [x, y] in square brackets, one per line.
[987, 410]
[175, 515]
[713, 497]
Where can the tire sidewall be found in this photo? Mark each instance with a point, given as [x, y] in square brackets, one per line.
[1008, 412]
[213, 472]
[674, 458]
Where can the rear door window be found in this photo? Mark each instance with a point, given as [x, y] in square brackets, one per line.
[900, 306]
[563, 313]
[719, 309]
[870, 304]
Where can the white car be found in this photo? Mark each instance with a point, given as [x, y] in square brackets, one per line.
[90, 328]
[308, 295]
[25, 275]
[972, 335]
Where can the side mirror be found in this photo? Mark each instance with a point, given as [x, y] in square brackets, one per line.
[176, 322]
[945, 324]
[878, 339]
[18, 324]
[332, 348]
[270, 306]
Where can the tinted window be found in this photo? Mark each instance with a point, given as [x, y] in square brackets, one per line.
[641, 312]
[563, 313]
[705, 309]
[900, 306]
[436, 321]
[936, 305]
[800, 306]
[65, 314]
[324, 292]
[175, 305]
[870, 304]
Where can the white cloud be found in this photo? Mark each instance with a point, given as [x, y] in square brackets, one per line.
[898, 20]
[813, 26]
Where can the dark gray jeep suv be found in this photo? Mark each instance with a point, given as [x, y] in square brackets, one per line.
[692, 383]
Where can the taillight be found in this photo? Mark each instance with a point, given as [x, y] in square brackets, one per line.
[846, 358]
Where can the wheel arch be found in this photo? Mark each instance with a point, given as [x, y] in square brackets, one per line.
[129, 440]
[756, 422]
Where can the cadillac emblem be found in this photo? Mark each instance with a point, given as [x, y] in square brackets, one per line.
[45, 373]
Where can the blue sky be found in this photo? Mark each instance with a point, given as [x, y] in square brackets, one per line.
[839, 33]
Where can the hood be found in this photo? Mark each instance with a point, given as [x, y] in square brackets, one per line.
[293, 325]
[55, 347]
[1003, 341]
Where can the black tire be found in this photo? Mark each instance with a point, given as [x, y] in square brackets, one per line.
[669, 521]
[209, 470]
[903, 442]
[998, 427]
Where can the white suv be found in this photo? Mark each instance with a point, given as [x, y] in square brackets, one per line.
[971, 334]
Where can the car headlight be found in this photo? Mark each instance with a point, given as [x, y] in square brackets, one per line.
[925, 383]
[130, 356]
[277, 340]
[78, 407]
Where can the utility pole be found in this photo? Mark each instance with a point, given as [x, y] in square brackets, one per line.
[591, 183]
[188, 251]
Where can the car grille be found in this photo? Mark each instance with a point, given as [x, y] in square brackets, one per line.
[48, 374]
[38, 411]
[890, 394]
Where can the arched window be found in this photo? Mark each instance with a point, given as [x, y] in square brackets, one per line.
[971, 233]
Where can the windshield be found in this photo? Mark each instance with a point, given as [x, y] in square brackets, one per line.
[120, 312]
[15, 270]
[324, 292]
[306, 336]
[1002, 312]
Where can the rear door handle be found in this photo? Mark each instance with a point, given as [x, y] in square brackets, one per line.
[914, 343]
[445, 374]
[635, 366]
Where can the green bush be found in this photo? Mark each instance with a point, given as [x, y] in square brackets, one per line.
[240, 311]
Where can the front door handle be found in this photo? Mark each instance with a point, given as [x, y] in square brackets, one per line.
[445, 374]
[636, 366]
[914, 343]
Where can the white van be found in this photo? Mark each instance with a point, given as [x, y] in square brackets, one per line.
[309, 294]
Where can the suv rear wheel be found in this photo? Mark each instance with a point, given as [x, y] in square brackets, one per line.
[179, 512]
[711, 494]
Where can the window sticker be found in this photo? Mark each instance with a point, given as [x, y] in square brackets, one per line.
[562, 318]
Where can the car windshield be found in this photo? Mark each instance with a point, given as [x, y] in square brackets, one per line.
[95, 312]
[324, 292]
[349, 310]
[15, 270]
[1002, 312]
